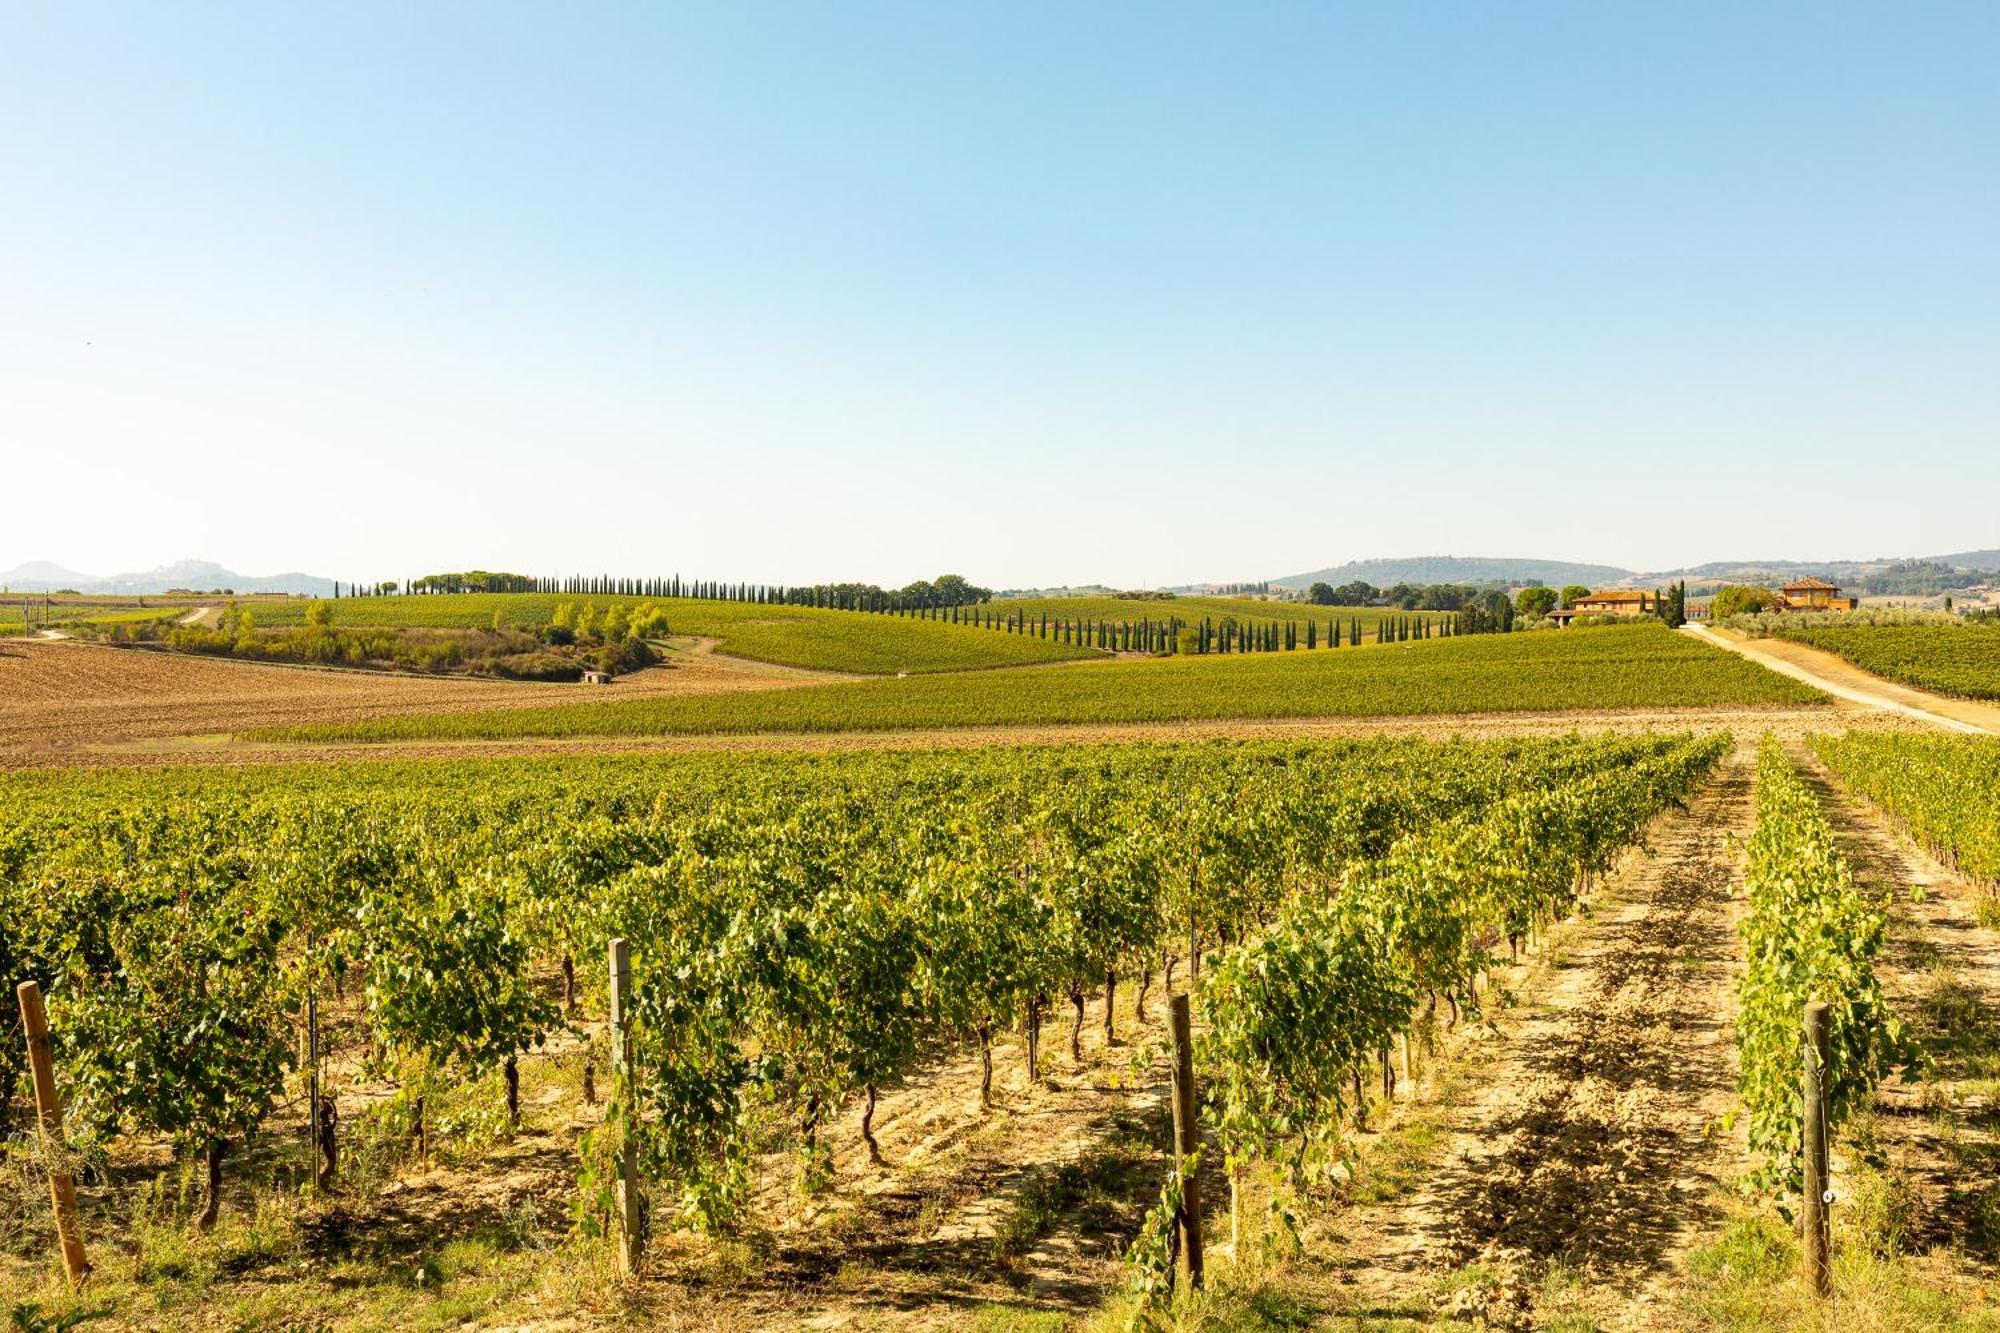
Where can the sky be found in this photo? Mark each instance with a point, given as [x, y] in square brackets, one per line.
[1136, 294]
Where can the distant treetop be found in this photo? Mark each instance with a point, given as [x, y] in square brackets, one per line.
[475, 580]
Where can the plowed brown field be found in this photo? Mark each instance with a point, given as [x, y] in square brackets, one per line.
[58, 700]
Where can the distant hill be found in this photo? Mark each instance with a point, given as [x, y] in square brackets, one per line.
[42, 576]
[1882, 575]
[46, 576]
[1459, 569]
[1890, 572]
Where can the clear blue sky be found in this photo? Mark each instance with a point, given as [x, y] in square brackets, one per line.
[1132, 293]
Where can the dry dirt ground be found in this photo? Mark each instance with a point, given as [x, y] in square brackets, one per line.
[1586, 1134]
[64, 702]
[32, 741]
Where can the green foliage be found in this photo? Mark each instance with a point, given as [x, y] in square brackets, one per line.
[1943, 789]
[1740, 599]
[1960, 659]
[162, 962]
[1256, 612]
[1638, 666]
[1336, 976]
[801, 636]
[801, 928]
[445, 946]
[1810, 934]
[27, 1317]
[472, 581]
[1535, 602]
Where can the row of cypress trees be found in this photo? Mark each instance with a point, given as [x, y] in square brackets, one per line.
[1145, 635]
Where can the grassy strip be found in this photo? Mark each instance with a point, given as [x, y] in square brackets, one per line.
[1953, 659]
[800, 636]
[1641, 666]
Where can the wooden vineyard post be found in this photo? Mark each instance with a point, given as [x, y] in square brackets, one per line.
[630, 1240]
[62, 1185]
[1187, 1139]
[1819, 1268]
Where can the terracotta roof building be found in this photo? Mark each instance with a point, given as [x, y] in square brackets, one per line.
[1619, 601]
[1814, 595]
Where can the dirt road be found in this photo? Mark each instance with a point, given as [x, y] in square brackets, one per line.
[1584, 1135]
[1845, 681]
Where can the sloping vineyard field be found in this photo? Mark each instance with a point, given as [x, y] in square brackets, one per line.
[800, 636]
[803, 933]
[1639, 666]
[1953, 659]
[1193, 610]
[1944, 790]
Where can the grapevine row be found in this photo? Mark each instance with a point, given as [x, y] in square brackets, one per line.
[1943, 789]
[803, 931]
[1810, 935]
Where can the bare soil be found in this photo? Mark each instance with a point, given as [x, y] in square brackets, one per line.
[60, 701]
[163, 747]
[1586, 1132]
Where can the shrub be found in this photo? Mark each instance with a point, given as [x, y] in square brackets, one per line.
[1739, 600]
[537, 666]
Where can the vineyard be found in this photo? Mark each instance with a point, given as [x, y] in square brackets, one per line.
[1943, 790]
[803, 934]
[1640, 666]
[314, 983]
[872, 639]
[1810, 936]
[1249, 611]
[798, 636]
[1954, 659]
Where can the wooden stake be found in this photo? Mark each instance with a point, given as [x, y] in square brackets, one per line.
[1818, 1243]
[1187, 1139]
[62, 1186]
[630, 1241]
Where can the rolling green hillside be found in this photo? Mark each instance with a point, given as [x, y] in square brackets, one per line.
[1193, 609]
[1952, 659]
[800, 636]
[1640, 666]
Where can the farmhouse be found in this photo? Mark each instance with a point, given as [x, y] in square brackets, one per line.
[1612, 602]
[1619, 602]
[1814, 595]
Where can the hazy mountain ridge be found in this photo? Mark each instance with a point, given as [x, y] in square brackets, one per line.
[200, 575]
[1459, 569]
[1518, 572]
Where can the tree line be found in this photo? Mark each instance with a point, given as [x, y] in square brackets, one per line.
[946, 590]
